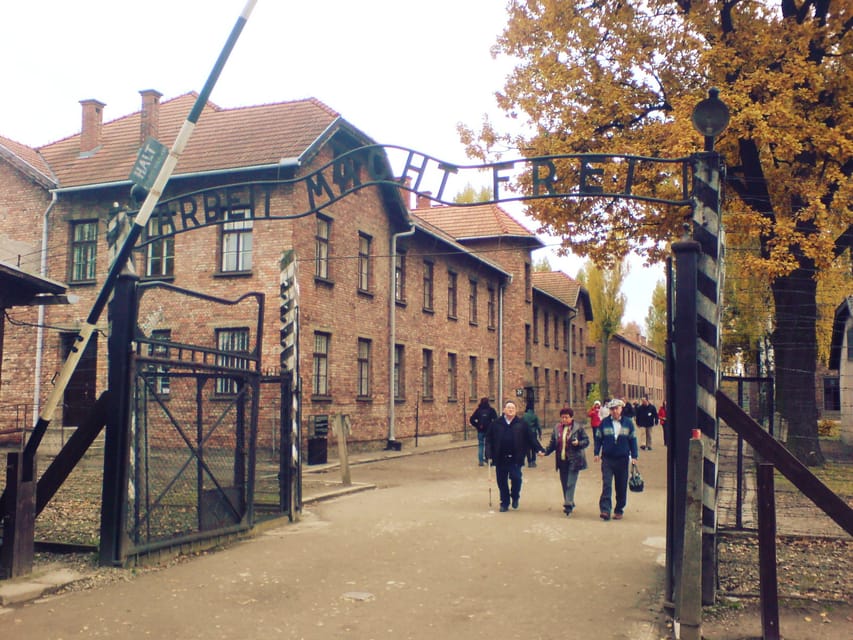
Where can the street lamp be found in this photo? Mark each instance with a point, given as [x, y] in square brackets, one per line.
[710, 117]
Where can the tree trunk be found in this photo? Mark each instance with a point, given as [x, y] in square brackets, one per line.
[602, 383]
[795, 352]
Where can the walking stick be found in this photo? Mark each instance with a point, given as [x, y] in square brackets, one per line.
[489, 480]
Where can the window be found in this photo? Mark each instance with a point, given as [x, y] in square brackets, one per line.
[536, 380]
[535, 325]
[321, 247]
[528, 348]
[491, 378]
[472, 302]
[546, 324]
[472, 377]
[566, 335]
[528, 282]
[557, 386]
[590, 356]
[320, 375]
[426, 375]
[155, 350]
[451, 294]
[574, 340]
[363, 368]
[84, 250]
[491, 307]
[160, 254]
[231, 341]
[452, 376]
[557, 333]
[429, 282]
[400, 277]
[399, 372]
[547, 385]
[831, 394]
[364, 275]
[237, 241]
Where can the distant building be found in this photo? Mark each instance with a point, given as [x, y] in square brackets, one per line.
[635, 370]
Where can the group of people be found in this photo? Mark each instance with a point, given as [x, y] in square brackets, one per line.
[507, 441]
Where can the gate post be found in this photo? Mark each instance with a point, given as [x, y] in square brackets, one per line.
[17, 551]
[682, 419]
[122, 315]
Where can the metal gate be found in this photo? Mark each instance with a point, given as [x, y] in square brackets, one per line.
[194, 416]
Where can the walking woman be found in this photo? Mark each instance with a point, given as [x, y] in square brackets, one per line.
[569, 441]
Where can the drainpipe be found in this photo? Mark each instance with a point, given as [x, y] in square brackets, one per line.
[501, 399]
[392, 329]
[572, 315]
[41, 312]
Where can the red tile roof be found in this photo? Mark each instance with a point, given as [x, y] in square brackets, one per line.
[563, 287]
[475, 221]
[223, 139]
[27, 160]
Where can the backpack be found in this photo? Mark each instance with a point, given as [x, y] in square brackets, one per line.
[481, 419]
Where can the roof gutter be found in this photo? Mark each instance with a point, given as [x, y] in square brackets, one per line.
[283, 163]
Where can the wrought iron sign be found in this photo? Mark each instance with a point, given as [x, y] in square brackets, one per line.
[557, 176]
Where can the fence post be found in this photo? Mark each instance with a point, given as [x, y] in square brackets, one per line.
[767, 552]
[688, 603]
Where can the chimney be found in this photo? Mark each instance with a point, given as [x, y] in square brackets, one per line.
[150, 115]
[93, 120]
[424, 200]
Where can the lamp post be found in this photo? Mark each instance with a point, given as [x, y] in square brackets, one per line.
[710, 117]
[695, 337]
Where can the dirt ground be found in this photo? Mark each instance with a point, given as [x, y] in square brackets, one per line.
[815, 574]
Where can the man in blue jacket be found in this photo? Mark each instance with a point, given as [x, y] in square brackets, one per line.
[507, 443]
[615, 446]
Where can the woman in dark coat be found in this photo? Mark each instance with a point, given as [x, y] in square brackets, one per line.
[569, 441]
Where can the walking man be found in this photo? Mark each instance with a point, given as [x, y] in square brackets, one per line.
[615, 445]
[647, 418]
[507, 442]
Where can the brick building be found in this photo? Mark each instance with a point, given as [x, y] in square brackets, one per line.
[406, 317]
[634, 370]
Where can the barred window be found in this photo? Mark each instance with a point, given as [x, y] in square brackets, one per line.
[84, 250]
[321, 247]
[363, 368]
[320, 376]
[233, 341]
[237, 241]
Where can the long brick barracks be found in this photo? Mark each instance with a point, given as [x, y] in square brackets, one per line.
[410, 309]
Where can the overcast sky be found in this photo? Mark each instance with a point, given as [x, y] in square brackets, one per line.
[405, 73]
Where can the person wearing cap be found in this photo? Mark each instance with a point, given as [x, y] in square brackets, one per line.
[507, 441]
[595, 415]
[615, 446]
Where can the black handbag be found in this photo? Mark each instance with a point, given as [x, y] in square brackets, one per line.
[635, 482]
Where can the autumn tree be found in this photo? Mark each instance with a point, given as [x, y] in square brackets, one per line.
[542, 265]
[471, 194]
[623, 76]
[656, 319]
[608, 308]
